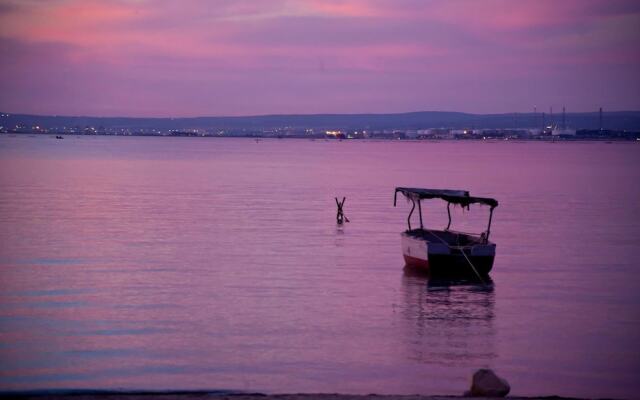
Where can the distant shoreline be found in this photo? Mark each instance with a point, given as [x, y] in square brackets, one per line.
[320, 123]
[475, 138]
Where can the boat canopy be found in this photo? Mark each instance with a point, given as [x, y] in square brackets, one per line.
[460, 197]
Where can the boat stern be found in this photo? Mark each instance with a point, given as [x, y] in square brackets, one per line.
[415, 252]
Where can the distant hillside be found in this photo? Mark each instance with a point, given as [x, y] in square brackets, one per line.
[623, 120]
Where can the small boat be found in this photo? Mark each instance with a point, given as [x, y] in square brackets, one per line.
[59, 137]
[446, 252]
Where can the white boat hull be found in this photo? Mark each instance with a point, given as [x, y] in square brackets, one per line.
[446, 259]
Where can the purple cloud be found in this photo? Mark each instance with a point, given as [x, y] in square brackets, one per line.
[167, 58]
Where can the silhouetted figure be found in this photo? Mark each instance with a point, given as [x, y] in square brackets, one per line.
[340, 217]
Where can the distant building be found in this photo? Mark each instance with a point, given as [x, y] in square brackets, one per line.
[563, 132]
[411, 134]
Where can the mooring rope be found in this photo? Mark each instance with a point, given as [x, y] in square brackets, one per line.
[474, 268]
[461, 248]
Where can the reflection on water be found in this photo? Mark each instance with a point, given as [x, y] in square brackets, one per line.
[175, 263]
[450, 321]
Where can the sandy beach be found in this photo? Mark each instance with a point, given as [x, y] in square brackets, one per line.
[91, 395]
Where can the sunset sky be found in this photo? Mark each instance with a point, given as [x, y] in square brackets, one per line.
[247, 57]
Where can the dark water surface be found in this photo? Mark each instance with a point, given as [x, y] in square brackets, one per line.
[188, 263]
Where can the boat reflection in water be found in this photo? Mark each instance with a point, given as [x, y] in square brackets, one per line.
[450, 322]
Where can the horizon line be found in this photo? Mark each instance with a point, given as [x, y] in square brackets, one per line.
[4, 113]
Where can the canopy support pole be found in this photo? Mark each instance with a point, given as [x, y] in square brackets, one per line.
[411, 212]
[420, 212]
[489, 226]
[449, 214]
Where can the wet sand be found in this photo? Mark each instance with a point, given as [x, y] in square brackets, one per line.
[239, 396]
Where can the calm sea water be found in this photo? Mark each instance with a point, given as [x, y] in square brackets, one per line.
[190, 263]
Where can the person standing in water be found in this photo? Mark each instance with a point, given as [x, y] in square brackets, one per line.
[340, 217]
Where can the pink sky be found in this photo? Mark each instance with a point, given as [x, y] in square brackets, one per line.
[246, 57]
